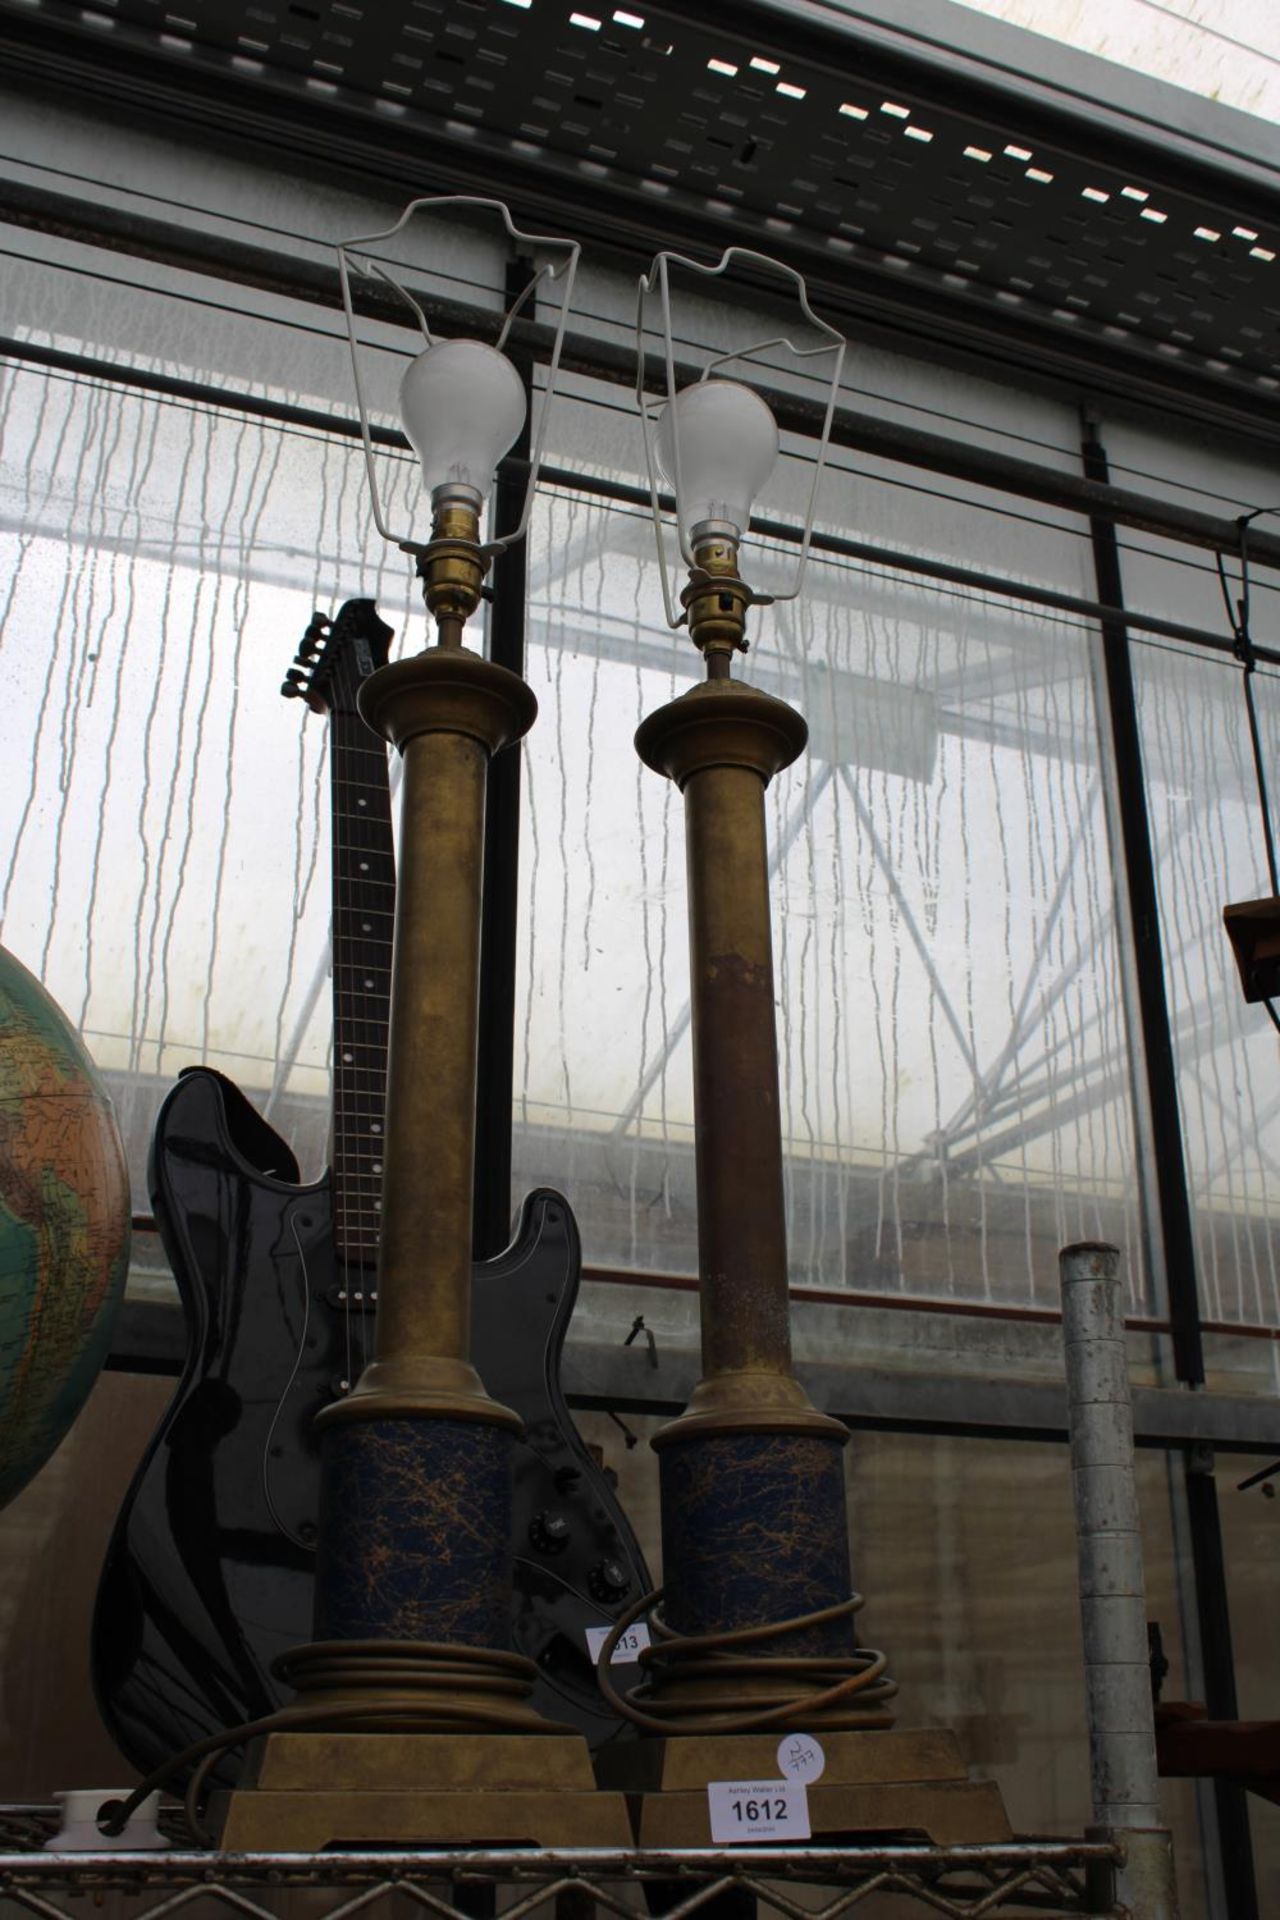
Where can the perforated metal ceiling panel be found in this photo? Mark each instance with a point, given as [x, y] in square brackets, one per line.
[870, 175]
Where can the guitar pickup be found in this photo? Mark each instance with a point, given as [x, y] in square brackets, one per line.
[352, 1299]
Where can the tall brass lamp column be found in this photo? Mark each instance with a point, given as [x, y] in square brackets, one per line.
[754, 1633]
[417, 1722]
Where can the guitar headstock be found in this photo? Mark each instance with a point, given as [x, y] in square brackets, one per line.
[335, 655]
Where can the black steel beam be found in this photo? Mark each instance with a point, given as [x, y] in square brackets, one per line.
[1139, 877]
[1172, 1196]
[217, 257]
[602, 1375]
[309, 419]
[1218, 1663]
[271, 271]
[500, 887]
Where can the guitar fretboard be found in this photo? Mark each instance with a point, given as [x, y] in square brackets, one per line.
[364, 892]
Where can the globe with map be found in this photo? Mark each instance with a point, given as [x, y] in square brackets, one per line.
[64, 1225]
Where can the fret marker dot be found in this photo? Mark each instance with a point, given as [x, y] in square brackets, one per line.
[376, 1127]
[368, 983]
[365, 927]
[347, 1059]
[364, 866]
[362, 803]
[377, 1166]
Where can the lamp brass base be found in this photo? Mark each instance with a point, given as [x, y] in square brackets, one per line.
[306, 1791]
[900, 1782]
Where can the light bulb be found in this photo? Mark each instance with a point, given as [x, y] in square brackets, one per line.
[728, 447]
[463, 404]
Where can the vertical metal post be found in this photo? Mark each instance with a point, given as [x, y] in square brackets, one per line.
[1171, 1199]
[1139, 874]
[1113, 1607]
[491, 1217]
[1214, 1619]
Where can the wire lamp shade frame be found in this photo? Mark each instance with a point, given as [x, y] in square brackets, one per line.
[656, 284]
[563, 271]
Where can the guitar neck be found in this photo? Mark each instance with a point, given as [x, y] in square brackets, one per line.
[364, 892]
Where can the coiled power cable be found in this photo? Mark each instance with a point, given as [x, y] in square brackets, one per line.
[421, 1668]
[845, 1691]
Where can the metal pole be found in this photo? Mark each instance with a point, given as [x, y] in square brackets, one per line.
[1113, 1606]
[1167, 1204]
[491, 1226]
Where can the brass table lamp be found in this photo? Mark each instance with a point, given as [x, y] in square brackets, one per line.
[754, 1634]
[413, 1722]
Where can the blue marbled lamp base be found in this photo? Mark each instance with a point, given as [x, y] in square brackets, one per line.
[413, 1725]
[755, 1529]
[415, 1521]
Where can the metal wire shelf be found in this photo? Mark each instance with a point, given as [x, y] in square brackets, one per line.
[1044, 1878]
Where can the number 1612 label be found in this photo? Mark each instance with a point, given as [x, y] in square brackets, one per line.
[746, 1811]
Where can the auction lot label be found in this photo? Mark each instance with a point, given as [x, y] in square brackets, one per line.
[746, 1811]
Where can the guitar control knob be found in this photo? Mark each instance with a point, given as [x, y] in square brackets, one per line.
[608, 1580]
[549, 1532]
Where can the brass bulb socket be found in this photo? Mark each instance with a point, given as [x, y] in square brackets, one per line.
[452, 566]
[716, 599]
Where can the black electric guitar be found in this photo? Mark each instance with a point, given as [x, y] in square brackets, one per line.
[209, 1571]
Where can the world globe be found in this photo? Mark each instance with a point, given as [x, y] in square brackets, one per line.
[64, 1225]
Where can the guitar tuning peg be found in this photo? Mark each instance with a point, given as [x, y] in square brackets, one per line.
[290, 690]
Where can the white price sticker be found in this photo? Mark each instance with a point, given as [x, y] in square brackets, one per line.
[744, 1812]
[800, 1757]
[629, 1647]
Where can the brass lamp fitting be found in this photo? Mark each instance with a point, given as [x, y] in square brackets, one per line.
[452, 566]
[716, 601]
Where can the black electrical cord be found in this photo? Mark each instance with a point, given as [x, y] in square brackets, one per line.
[1238, 619]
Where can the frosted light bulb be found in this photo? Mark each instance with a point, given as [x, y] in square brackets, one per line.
[728, 447]
[463, 405]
